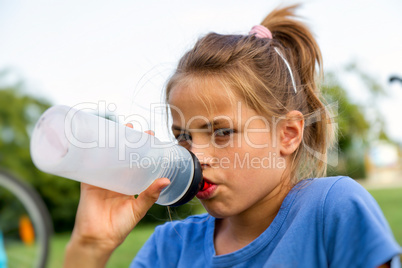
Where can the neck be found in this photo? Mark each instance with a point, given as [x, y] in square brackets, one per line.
[236, 232]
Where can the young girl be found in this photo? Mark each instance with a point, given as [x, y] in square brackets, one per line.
[249, 108]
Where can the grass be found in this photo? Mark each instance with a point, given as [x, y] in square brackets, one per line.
[390, 201]
[122, 257]
[124, 254]
[20, 255]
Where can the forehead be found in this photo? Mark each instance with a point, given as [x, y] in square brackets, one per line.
[202, 99]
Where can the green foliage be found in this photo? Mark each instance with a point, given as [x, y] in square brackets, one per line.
[355, 128]
[18, 115]
[10, 210]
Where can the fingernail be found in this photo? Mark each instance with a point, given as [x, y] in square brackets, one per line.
[150, 132]
[166, 182]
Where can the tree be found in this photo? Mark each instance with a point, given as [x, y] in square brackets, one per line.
[358, 123]
[18, 115]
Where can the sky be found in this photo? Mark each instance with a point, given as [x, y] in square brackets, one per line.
[121, 52]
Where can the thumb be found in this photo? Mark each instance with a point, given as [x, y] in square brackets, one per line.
[147, 198]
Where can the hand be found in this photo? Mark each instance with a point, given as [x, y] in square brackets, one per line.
[104, 219]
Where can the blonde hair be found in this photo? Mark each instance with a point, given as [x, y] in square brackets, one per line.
[251, 66]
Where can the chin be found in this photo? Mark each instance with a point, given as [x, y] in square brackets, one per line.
[217, 211]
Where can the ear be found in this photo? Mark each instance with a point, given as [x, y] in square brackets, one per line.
[291, 132]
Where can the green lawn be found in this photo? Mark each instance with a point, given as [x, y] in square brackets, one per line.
[120, 258]
[390, 201]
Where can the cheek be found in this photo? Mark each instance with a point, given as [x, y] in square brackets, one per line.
[247, 163]
[257, 139]
[244, 159]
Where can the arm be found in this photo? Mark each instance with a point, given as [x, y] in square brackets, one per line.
[104, 219]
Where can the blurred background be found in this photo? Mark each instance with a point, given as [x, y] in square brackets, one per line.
[121, 53]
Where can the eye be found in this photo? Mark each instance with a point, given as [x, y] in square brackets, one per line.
[183, 137]
[223, 132]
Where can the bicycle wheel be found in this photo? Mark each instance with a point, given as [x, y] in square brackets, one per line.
[24, 223]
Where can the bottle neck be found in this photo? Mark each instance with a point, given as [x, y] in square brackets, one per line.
[172, 160]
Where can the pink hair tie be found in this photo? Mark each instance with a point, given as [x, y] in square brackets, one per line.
[261, 32]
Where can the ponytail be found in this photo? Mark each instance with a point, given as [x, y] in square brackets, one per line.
[303, 52]
[298, 40]
[273, 76]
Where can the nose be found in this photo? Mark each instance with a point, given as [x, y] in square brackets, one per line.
[203, 153]
[201, 158]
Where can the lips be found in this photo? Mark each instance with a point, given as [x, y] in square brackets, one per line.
[207, 189]
[205, 185]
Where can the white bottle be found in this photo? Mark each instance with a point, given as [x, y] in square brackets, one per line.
[77, 145]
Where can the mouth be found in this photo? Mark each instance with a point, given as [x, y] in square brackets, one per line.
[207, 189]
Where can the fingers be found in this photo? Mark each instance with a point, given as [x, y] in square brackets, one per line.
[148, 197]
[150, 132]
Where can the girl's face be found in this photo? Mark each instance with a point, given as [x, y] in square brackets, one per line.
[237, 148]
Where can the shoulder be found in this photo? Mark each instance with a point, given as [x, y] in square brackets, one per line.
[325, 186]
[329, 198]
[355, 230]
[327, 183]
[343, 194]
[339, 197]
[329, 190]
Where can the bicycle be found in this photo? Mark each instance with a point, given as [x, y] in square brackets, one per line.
[25, 224]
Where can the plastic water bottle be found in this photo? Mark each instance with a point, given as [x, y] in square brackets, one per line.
[84, 147]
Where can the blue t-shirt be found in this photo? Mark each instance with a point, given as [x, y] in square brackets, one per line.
[325, 222]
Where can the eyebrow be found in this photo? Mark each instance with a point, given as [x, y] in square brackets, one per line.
[208, 125]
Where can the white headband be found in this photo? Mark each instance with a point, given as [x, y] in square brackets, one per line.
[263, 32]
